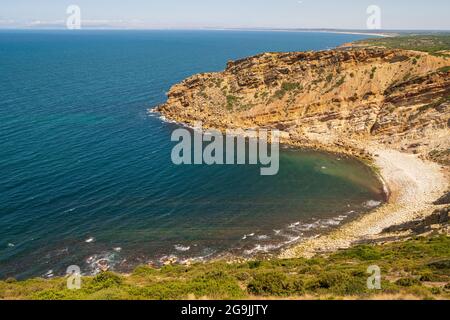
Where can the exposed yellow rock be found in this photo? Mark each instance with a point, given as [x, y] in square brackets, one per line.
[335, 98]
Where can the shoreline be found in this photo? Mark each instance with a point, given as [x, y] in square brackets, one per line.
[380, 33]
[387, 166]
[412, 185]
[350, 32]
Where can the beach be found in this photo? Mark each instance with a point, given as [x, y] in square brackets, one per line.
[412, 183]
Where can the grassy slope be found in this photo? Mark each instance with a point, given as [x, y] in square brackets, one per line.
[415, 268]
[432, 44]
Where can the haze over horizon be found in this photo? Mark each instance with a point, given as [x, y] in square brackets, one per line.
[204, 14]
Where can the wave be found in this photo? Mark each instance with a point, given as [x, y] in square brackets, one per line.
[102, 262]
[248, 236]
[372, 204]
[49, 274]
[266, 248]
[262, 248]
[182, 248]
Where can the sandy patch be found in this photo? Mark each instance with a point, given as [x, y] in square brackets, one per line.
[413, 185]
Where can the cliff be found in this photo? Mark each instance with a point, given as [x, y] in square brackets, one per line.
[336, 99]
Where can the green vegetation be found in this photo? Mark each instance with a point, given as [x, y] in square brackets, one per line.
[285, 88]
[444, 69]
[218, 82]
[340, 82]
[372, 72]
[289, 86]
[426, 43]
[418, 267]
[231, 101]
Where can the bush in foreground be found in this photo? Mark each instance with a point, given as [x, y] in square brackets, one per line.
[423, 264]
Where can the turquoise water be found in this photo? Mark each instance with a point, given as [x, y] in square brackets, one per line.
[86, 173]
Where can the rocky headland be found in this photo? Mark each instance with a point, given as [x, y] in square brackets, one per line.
[383, 105]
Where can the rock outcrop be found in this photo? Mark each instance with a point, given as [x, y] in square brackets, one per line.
[332, 98]
[437, 220]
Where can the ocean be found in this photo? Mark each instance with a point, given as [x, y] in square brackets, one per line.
[85, 168]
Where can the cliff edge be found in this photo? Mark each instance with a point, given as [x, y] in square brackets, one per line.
[385, 104]
[332, 98]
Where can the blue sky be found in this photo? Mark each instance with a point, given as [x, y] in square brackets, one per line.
[343, 14]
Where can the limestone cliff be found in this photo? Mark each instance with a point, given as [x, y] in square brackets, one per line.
[335, 98]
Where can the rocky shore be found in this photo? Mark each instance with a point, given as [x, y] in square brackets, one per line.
[413, 186]
[386, 106]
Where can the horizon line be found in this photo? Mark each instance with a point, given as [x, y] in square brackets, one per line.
[112, 28]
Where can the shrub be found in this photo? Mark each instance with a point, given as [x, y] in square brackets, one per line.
[160, 291]
[331, 279]
[329, 77]
[341, 283]
[372, 74]
[105, 280]
[242, 276]
[286, 87]
[297, 286]
[50, 294]
[231, 101]
[429, 277]
[407, 282]
[361, 252]
[289, 86]
[144, 271]
[444, 69]
[340, 82]
[279, 94]
[270, 283]
[435, 290]
[215, 284]
[440, 265]
[254, 264]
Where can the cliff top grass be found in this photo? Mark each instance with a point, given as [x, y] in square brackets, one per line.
[417, 268]
[433, 44]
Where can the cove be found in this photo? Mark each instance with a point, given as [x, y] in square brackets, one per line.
[87, 177]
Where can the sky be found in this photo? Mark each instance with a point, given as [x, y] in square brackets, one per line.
[199, 14]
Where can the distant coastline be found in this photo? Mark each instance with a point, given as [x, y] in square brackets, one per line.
[379, 33]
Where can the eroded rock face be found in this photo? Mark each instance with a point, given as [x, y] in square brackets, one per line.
[395, 97]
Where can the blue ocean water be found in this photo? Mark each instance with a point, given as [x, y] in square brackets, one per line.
[85, 170]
